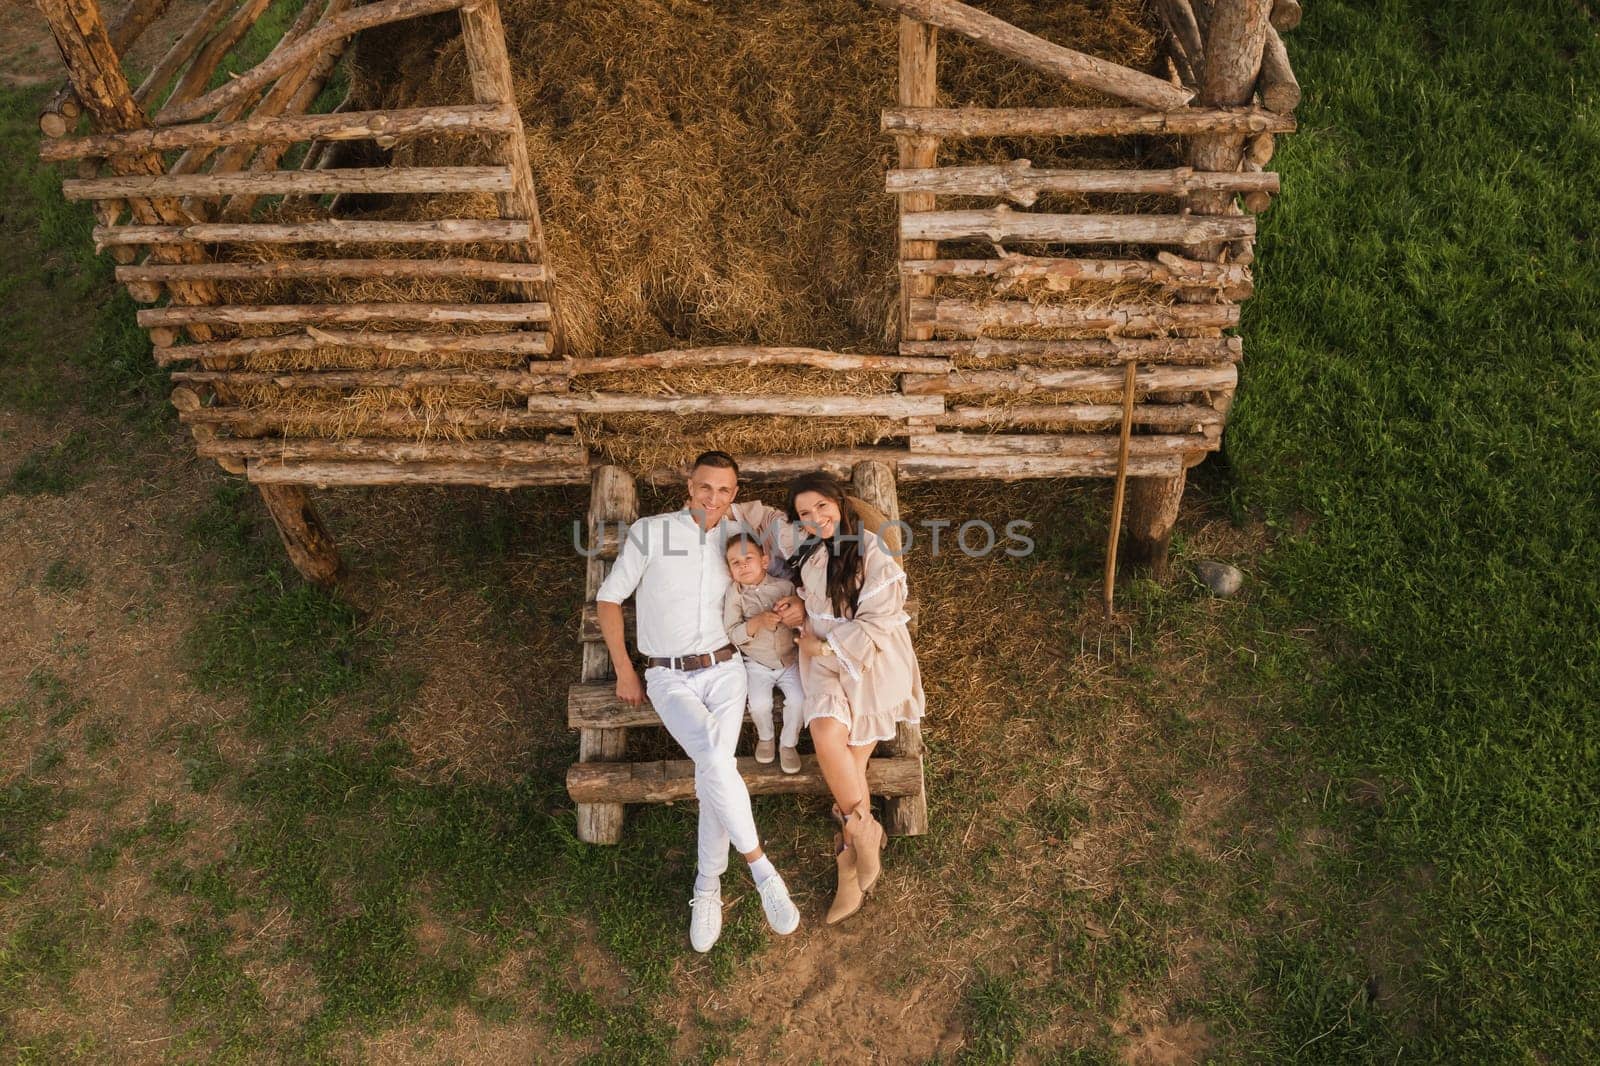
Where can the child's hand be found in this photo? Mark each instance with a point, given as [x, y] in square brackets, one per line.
[761, 622]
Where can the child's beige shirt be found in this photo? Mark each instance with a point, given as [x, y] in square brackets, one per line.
[774, 647]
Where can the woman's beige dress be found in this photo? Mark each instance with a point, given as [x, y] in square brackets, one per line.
[872, 680]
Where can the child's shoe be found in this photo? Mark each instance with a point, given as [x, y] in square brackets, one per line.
[789, 759]
[765, 751]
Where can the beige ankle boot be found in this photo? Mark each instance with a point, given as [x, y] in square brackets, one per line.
[865, 837]
[847, 899]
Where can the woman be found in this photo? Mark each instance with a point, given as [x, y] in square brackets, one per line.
[859, 670]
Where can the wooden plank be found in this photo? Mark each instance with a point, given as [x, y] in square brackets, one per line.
[1026, 379]
[400, 124]
[1108, 351]
[1034, 51]
[1018, 467]
[1099, 445]
[555, 452]
[1020, 183]
[970, 318]
[304, 182]
[218, 353]
[672, 781]
[1169, 271]
[1182, 417]
[444, 231]
[254, 421]
[885, 406]
[518, 381]
[1080, 121]
[1003, 224]
[747, 355]
[498, 475]
[476, 269]
[303, 51]
[237, 315]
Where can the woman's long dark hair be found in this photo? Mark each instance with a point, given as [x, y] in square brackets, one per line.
[845, 567]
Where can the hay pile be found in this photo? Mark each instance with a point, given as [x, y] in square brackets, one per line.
[711, 172]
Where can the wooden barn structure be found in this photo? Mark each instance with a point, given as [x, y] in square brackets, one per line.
[180, 166]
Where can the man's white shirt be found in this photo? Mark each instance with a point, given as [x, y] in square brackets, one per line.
[679, 573]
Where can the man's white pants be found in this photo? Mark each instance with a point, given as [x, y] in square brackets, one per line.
[704, 710]
[762, 680]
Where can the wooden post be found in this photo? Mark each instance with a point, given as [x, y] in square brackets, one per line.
[1236, 34]
[305, 538]
[1152, 512]
[613, 498]
[483, 36]
[919, 87]
[903, 815]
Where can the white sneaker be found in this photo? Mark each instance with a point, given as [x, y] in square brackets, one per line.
[781, 912]
[705, 919]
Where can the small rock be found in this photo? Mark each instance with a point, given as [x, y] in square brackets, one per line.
[1220, 578]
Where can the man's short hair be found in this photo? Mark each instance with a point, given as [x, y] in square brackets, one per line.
[719, 460]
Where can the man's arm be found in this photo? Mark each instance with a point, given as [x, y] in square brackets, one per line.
[629, 690]
[619, 584]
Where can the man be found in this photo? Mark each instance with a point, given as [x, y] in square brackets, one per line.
[675, 563]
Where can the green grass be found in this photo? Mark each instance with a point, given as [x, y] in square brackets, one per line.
[1419, 427]
[1422, 382]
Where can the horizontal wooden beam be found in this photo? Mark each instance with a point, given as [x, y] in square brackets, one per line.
[781, 467]
[1096, 351]
[1020, 183]
[304, 50]
[971, 318]
[517, 381]
[460, 119]
[1003, 224]
[1099, 445]
[1080, 121]
[563, 452]
[744, 355]
[442, 231]
[1180, 417]
[239, 315]
[311, 338]
[253, 421]
[1034, 51]
[884, 406]
[1018, 467]
[1025, 379]
[296, 182]
[273, 269]
[673, 781]
[1166, 270]
[489, 475]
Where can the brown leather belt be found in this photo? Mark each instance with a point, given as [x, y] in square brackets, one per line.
[691, 663]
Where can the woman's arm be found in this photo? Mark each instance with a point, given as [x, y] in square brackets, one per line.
[880, 610]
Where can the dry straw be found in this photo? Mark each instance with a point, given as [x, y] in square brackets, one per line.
[709, 173]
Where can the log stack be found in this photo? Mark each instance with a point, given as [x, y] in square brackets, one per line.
[1026, 289]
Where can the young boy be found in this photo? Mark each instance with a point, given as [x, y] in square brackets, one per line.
[768, 646]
